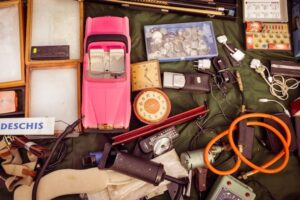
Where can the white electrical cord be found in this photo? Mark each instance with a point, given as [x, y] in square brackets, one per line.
[286, 111]
[229, 48]
[223, 40]
[279, 86]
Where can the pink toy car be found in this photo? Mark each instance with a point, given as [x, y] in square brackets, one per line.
[106, 103]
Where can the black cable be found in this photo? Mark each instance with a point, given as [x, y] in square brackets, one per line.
[202, 127]
[179, 192]
[41, 172]
[176, 180]
[220, 107]
[62, 152]
[262, 187]
[181, 184]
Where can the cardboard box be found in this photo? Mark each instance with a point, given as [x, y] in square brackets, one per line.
[56, 24]
[54, 91]
[11, 43]
[265, 11]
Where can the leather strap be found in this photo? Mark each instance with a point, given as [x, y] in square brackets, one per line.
[23, 142]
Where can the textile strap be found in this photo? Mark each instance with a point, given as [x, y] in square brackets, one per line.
[18, 173]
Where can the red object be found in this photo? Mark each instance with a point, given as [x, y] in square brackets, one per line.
[8, 102]
[151, 128]
[249, 41]
[253, 27]
[295, 107]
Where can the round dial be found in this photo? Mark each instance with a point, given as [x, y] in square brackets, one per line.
[152, 106]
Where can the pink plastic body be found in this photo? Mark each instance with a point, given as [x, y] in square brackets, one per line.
[106, 102]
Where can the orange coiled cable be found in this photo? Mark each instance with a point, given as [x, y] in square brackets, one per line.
[240, 158]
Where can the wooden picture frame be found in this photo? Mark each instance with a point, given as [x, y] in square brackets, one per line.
[8, 41]
[53, 77]
[41, 41]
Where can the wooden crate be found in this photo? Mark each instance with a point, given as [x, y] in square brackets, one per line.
[50, 93]
[51, 22]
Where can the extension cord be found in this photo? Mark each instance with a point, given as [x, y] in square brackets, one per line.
[238, 149]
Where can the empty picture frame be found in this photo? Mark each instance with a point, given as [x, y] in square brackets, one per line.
[54, 91]
[55, 23]
[11, 43]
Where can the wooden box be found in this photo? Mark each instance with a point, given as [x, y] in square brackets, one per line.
[55, 23]
[53, 90]
[12, 71]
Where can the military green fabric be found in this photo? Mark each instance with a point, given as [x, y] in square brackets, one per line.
[282, 186]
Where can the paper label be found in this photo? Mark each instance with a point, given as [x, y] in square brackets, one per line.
[27, 126]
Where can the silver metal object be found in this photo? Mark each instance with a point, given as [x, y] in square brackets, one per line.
[195, 159]
[173, 80]
[162, 145]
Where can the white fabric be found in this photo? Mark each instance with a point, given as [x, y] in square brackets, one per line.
[93, 180]
[14, 167]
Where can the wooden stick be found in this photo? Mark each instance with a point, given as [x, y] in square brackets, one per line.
[182, 4]
[151, 128]
[164, 8]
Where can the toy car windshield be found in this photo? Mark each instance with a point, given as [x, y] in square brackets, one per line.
[106, 64]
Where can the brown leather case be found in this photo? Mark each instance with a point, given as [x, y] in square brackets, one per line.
[272, 141]
[220, 65]
[50, 52]
[201, 174]
[197, 82]
[246, 138]
[286, 68]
